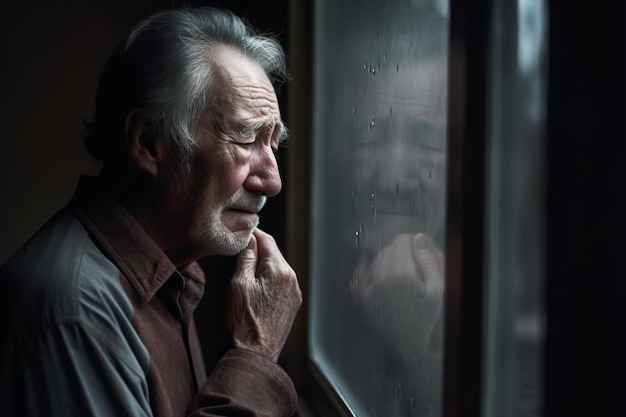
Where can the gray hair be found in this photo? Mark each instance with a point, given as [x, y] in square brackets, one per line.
[163, 66]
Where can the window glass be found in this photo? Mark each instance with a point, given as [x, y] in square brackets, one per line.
[514, 234]
[379, 169]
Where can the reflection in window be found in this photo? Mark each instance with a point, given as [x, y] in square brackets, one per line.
[379, 203]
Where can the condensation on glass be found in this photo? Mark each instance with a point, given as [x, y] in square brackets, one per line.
[379, 203]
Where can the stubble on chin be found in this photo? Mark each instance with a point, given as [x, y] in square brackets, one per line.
[224, 241]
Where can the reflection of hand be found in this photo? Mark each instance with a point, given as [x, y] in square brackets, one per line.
[264, 298]
[402, 291]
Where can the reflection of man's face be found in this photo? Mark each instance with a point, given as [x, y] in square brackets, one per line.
[400, 163]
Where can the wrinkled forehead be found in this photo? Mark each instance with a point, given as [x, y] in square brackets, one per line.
[242, 97]
[235, 71]
[241, 85]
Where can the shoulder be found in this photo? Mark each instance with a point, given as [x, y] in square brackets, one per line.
[60, 275]
[60, 279]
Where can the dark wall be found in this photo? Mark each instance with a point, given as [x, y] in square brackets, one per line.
[586, 292]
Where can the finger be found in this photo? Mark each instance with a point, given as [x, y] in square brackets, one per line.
[362, 280]
[266, 244]
[427, 260]
[270, 259]
[247, 260]
[272, 266]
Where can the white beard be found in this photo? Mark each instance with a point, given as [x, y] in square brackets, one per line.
[224, 241]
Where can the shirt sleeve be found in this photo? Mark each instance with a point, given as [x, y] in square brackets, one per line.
[67, 370]
[246, 383]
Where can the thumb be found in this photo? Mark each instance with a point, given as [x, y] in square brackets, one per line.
[247, 259]
[425, 256]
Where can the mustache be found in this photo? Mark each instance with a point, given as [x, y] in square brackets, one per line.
[245, 201]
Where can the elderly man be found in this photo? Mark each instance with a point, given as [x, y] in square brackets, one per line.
[102, 297]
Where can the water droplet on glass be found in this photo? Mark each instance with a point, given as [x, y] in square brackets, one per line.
[397, 189]
[373, 72]
[373, 204]
[354, 192]
[430, 174]
[372, 123]
[398, 391]
[353, 110]
[356, 239]
[412, 402]
[398, 68]
[390, 110]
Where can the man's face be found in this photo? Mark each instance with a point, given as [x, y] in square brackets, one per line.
[400, 161]
[234, 168]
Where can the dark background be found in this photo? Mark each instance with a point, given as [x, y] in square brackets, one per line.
[586, 230]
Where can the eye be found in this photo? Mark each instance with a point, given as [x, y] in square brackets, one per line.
[245, 139]
[246, 145]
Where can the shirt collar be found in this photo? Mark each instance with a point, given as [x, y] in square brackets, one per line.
[124, 241]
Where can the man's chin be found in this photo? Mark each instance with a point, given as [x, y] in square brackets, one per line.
[232, 243]
[241, 240]
[234, 233]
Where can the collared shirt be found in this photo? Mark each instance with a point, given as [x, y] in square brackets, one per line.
[100, 322]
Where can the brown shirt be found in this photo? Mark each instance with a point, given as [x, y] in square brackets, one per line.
[111, 329]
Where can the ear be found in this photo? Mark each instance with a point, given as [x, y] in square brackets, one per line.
[145, 148]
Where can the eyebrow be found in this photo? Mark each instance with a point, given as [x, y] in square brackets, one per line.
[280, 129]
[253, 125]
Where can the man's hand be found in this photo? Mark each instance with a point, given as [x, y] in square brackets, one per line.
[401, 290]
[264, 298]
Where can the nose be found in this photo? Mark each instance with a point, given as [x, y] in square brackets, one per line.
[397, 162]
[264, 177]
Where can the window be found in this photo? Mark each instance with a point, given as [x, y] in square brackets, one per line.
[533, 288]
[378, 201]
